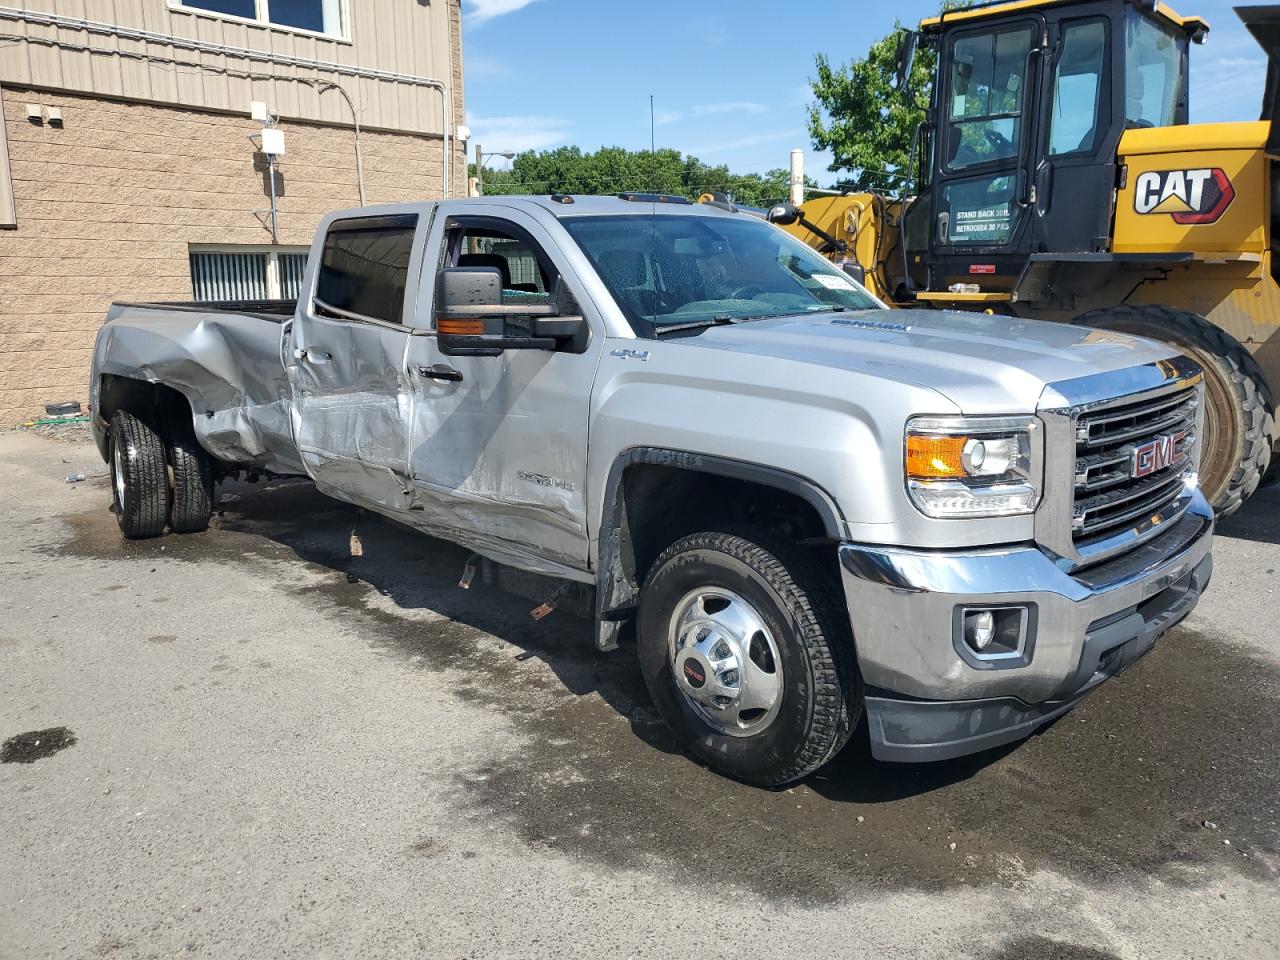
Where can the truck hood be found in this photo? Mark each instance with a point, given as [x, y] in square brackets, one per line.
[980, 362]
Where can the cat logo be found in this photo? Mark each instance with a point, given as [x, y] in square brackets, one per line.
[1189, 196]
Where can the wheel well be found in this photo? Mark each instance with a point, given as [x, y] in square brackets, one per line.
[651, 505]
[664, 504]
[163, 407]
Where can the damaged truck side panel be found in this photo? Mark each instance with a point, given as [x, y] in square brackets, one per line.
[803, 503]
[227, 365]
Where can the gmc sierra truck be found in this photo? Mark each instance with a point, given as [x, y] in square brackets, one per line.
[804, 507]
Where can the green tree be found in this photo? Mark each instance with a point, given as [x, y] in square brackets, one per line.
[863, 120]
[618, 170]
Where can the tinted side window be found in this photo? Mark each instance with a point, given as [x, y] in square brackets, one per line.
[364, 268]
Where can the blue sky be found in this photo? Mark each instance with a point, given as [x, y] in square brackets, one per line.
[729, 77]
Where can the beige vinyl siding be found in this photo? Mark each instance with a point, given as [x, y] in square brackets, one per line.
[405, 37]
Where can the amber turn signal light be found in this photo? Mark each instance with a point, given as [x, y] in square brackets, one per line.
[457, 327]
[933, 458]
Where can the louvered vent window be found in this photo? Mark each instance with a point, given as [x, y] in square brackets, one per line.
[250, 273]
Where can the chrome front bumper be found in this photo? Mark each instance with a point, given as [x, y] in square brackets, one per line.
[928, 699]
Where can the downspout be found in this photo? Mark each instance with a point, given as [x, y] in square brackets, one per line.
[445, 91]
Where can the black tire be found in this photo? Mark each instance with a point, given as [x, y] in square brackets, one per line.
[1239, 411]
[821, 692]
[139, 477]
[192, 484]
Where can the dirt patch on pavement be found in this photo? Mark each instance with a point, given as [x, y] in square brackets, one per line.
[36, 745]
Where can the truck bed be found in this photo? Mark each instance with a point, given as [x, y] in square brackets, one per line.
[277, 311]
[224, 357]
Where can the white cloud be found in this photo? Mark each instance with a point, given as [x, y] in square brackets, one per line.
[1236, 63]
[664, 118]
[800, 96]
[799, 136]
[481, 66]
[517, 134]
[481, 10]
[729, 106]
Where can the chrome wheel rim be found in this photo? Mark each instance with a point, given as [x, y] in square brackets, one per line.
[725, 661]
[117, 472]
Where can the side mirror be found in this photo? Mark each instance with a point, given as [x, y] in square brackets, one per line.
[471, 318]
[783, 214]
[855, 271]
[905, 57]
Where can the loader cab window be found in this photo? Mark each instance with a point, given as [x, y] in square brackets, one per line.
[364, 268]
[1154, 74]
[986, 95]
[1077, 120]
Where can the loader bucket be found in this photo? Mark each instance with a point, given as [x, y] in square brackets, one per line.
[1264, 23]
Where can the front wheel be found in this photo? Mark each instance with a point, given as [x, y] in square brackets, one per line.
[747, 653]
[1239, 413]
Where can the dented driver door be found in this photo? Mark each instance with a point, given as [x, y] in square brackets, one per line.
[352, 395]
[499, 444]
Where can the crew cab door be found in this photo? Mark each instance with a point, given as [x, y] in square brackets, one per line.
[499, 443]
[352, 395]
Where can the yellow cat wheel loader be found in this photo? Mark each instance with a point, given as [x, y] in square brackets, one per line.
[1057, 177]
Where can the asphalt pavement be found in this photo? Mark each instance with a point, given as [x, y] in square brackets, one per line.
[249, 743]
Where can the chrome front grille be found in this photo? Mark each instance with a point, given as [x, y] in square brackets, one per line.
[1132, 461]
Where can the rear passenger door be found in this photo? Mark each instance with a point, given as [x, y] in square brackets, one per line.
[347, 359]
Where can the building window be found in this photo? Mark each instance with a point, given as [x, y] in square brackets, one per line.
[314, 16]
[247, 273]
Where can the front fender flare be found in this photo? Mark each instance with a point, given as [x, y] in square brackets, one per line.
[617, 590]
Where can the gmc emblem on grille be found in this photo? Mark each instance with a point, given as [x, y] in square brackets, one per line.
[1155, 455]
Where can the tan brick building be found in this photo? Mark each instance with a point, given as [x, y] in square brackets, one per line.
[130, 167]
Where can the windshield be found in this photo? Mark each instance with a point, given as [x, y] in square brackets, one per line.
[1154, 65]
[667, 270]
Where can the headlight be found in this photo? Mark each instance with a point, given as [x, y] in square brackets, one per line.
[973, 466]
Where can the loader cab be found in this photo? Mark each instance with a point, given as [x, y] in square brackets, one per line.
[1030, 101]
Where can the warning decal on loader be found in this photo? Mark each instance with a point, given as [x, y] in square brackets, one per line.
[1189, 196]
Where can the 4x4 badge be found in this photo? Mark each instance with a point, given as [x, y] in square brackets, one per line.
[1191, 197]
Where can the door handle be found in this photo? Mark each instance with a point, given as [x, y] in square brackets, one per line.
[313, 355]
[440, 371]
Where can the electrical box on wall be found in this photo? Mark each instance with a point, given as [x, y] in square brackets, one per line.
[273, 141]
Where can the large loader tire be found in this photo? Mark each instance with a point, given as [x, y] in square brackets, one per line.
[1239, 412]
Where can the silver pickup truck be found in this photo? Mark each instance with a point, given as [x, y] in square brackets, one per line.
[805, 508]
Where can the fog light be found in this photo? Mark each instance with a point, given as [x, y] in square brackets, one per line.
[989, 636]
[980, 629]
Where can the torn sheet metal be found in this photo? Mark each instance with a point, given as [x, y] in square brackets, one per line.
[226, 364]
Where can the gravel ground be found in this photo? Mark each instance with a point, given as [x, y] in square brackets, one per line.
[247, 743]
